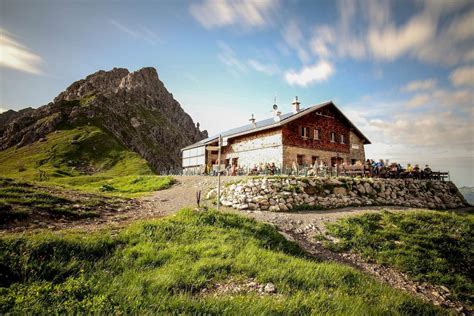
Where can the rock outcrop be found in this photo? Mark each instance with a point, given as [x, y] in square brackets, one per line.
[134, 107]
[288, 193]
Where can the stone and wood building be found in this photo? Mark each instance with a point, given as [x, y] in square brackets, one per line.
[304, 136]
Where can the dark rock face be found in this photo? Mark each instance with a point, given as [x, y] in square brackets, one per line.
[134, 107]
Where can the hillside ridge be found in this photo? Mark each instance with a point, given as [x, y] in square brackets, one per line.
[134, 107]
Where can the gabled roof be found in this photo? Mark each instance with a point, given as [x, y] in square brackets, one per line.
[270, 123]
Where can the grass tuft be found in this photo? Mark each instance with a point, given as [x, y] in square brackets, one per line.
[430, 246]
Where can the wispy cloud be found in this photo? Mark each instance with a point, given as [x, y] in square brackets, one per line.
[418, 100]
[463, 76]
[15, 55]
[294, 38]
[139, 32]
[246, 13]
[268, 69]
[368, 30]
[228, 57]
[320, 71]
[419, 85]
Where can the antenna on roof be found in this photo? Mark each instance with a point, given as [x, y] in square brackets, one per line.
[276, 113]
[252, 120]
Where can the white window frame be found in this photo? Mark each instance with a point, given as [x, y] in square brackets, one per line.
[305, 132]
[332, 137]
[343, 139]
[316, 134]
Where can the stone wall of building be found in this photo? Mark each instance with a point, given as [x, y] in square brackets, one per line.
[287, 193]
[265, 147]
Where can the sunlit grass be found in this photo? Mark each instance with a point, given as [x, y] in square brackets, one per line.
[161, 266]
[430, 246]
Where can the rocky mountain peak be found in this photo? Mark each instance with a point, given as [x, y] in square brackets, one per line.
[144, 78]
[102, 82]
[134, 107]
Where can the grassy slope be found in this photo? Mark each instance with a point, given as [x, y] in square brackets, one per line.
[20, 200]
[161, 266]
[85, 158]
[430, 246]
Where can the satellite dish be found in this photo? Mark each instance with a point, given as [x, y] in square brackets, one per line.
[275, 107]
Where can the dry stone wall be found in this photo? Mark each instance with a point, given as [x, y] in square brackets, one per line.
[296, 193]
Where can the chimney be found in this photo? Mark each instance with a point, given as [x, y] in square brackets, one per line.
[252, 120]
[296, 105]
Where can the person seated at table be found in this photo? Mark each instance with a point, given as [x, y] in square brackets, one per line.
[427, 172]
[381, 167]
[427, 169]
[294, 167]
[416, 168]
[409, 167]
[254, 170]
[272, 168]
[233, 170]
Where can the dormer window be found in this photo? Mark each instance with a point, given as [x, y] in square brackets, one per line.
[343, 141]
[316, 134]
[333, 137]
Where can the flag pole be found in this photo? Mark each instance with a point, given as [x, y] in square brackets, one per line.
[219, 172]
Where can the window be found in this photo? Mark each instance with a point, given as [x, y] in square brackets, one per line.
[343, 141]
[299, 159]
[333, 137]
[305, 132]
[316, 134]
[314, 159]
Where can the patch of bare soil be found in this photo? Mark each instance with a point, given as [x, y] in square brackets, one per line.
[236, 287]
[117, 212]
[303, 227]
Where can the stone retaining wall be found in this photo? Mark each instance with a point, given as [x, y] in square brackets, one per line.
[291, 193]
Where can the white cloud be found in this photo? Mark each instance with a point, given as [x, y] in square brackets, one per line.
[220, 13]
[390, 42]
[341, 39]
[268, 69]
[139, 32]
[419, 85]
[463, 76]
[462, 28]
[438, 33]
[16, 56]
[322, 40]
[2, 110]
[309, 74]
[418, 100]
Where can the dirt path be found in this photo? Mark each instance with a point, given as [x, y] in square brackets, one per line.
[183, 193]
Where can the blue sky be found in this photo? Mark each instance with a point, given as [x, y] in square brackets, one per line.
[403, 71]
